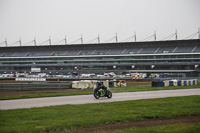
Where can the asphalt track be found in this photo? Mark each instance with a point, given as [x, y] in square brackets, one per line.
[85, 99]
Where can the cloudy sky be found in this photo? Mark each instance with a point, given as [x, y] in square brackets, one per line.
[72, 18]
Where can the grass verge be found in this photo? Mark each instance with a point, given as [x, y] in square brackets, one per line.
[58, 118]
[149, 88]
[44, 95]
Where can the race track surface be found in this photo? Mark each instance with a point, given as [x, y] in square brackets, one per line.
[84, 99]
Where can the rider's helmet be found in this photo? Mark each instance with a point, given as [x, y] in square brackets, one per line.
[98, 83]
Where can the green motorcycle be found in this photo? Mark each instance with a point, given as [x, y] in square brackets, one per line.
[102, 91]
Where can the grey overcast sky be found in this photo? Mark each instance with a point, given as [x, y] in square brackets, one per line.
[56, 18]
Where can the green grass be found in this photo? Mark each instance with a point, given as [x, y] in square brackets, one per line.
[149, 88]
[171, 128]
[113, 89]
[44, 95]
[56, 118]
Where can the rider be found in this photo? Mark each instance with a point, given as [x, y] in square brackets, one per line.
[100, 86]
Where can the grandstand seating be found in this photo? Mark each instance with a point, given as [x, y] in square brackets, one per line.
[21, 54]
[149, 50]
[58, 53]
[184, 49]
[197, 49]
[102, 51]
[131, 51]
[1, 54]
[86, 52]
[8, 54]
[179, 46]
[72, 52]
[165, 49]
[45, 53]
[115, 51]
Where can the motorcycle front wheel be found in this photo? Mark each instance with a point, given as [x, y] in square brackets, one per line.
[109, 94]
[96, 95]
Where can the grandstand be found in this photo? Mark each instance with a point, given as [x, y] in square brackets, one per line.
[174, 58]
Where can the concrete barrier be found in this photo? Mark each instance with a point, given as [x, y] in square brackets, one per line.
[84, 84]
[166, 83]
[175, 82]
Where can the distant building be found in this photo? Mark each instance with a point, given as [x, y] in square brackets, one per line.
[177, 58]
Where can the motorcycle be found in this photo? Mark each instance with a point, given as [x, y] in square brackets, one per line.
[102, 93]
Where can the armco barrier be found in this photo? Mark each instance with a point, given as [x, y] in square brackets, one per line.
[160, 84]
[111, 84]
[179, 83]
[185, 83]
[194, 83]
[171, 83]
[175, 82]
[153, 84]
[157, 83]
[189, 82]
